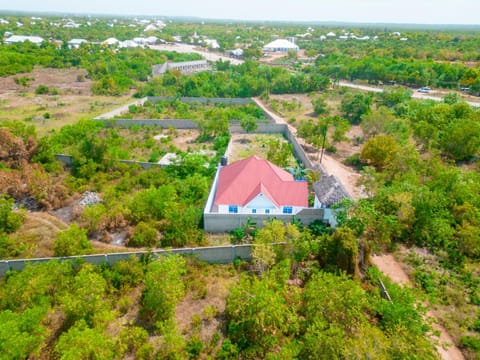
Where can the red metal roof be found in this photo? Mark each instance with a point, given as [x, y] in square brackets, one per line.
[240, 182]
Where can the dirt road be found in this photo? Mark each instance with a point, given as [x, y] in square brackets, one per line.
[444, 343]
[346, 175]
[415, 95]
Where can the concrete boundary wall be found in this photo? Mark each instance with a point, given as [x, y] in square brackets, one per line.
[217, 223]
[111, 115]
[189, 124]
[68, 161]
[181, 124]
[213, 255]
[203, 100]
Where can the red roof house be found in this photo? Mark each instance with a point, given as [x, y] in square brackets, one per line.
[256, 186]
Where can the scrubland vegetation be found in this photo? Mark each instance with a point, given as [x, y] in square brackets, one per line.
[314, 297]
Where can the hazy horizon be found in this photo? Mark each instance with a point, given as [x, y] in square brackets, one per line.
[463, 12]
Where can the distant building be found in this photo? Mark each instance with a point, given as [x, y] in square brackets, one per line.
[211, 43]
[237, 53]
[110, 42]
[150, 27]
[186, 67]
[128, 44]
[280, 45]
[151, 40]
[20, 38]
[76, 43]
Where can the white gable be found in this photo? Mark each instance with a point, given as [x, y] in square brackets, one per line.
[261, 201]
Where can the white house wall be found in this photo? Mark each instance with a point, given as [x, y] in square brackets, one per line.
[317, 204]
[261, 202]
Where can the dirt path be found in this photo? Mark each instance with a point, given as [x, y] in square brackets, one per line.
[48, 220]
[121, 110]
[392, 269]
[278, 119]
[347, 176]
[387, 264]
[444, 343]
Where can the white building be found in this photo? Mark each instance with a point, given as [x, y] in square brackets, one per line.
[128, 44]
[211, 43]
[185, 67]
[21, 38]
[256, 186]
[280, 45]
[76, 43]
[150, 27]
[110, 42]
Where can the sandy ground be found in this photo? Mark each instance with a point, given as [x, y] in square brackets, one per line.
[185, 139]
[47, 112]
[121, 110]
[386, 263]
[65, 80]
[345, 174]
[245, 145]
[445, 345]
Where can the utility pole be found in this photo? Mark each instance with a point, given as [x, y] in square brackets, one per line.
[323, 143]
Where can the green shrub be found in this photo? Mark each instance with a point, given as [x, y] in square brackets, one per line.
[72, 241]
[470, 342]
[42, 90]
[144, 234]
[354, 161]
[194, 347]
[10, 220]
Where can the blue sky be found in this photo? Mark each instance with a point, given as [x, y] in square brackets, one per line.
[397, 11]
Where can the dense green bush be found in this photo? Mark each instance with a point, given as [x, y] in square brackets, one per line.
[72, 241]
[164, 288]
[144, 234]
[42, 90]
[10, 220]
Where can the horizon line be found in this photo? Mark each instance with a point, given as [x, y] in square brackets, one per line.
[199, 18]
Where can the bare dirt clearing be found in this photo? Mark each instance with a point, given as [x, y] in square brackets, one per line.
[185, 140]
[245, 145]
[73, 101]
[73, 81]
[37, 234]
[446, 347]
